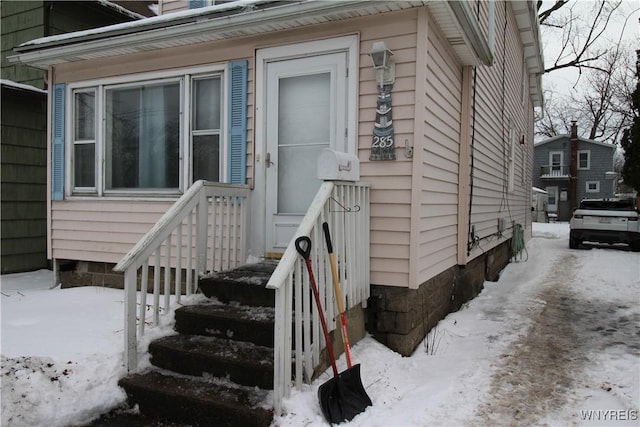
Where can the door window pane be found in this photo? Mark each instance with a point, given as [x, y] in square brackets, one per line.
[304, 108]
[142, 137]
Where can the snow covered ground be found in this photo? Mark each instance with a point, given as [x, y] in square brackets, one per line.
[556, 341]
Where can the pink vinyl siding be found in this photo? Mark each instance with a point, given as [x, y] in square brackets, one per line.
[499, 106]
[438, 156]
[391, 181]
[414, 200]
[98, 231]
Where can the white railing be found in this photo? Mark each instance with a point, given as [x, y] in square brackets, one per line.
[298, 340]
[205, 230]
[554, 171]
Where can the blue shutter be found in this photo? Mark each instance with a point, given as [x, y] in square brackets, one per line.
[237, 122]
[57, 142]
[194, 4]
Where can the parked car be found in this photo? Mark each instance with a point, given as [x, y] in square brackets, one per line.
[605, 221]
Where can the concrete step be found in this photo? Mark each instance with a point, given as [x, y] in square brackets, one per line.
[231, 321]
[244, 284]
[241, 362]
[197, 401]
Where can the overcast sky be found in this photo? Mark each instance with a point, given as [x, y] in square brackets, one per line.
[626, 25]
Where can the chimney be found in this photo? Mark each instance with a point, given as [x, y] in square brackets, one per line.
[573, 167]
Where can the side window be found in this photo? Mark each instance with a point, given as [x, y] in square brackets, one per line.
[584, 159]
[593, 187]
[84, 141]
[206, 120]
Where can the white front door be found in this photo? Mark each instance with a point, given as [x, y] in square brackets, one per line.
[305, 101]
[305, 113]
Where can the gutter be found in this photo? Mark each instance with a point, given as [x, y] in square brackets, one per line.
[127, 39]
[470, 29]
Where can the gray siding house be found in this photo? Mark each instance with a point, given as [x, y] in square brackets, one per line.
[570, 169]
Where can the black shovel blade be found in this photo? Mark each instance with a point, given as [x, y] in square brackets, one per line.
[343, 397]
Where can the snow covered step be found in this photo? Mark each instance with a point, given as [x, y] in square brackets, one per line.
[197, 401]
[235, 322]
[244, 284]
[242, 362]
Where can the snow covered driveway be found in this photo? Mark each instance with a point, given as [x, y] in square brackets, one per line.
[556, 341]
[540, 371]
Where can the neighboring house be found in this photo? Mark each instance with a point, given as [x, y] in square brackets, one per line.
[250, 93]
[24, 122]
[560, 158]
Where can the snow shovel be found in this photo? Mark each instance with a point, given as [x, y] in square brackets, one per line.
[343, 396]
[337, 293]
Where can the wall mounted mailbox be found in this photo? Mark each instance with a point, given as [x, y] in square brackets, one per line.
[337, 166]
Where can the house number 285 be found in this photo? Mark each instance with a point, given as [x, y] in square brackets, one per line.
[382, 141]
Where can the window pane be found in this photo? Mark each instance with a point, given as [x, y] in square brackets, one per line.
[83, 165]
[84, 116]
[583, 160]
[142, 136]
[206, 157]
[206, 95]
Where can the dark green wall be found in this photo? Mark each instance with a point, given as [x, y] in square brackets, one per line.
[23, 150]
[23, 172]
[21, 21]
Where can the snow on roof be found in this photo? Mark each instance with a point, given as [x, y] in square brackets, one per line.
[567, 136]
[120, 9]
[21, 86]
[152, 22]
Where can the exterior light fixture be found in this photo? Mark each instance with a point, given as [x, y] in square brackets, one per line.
[383, 144]
[382, 63]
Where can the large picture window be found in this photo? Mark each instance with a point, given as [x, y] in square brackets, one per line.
[150, 136]
[142, 136]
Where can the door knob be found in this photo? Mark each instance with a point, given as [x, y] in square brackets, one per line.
[267, 160]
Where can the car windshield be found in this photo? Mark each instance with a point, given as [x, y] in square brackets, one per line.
[608, 205]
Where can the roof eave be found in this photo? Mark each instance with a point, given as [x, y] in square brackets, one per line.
[123, 40]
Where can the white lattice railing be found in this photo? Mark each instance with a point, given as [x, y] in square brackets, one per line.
[205, 230]
[298, 337]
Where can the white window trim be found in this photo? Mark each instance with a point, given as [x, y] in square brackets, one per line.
[73, 142]
[100, 85]
[551, 153]
[588, 153]
[596, 190]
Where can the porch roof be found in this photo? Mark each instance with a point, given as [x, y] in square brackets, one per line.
[253, 17]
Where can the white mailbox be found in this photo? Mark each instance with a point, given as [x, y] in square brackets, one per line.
[337, 166]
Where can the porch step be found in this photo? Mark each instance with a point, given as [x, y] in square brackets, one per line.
[232, 321]
[242, 362]
[197, 401]
[245, 284]
[218, 369]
